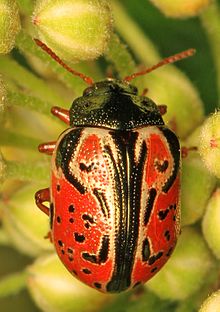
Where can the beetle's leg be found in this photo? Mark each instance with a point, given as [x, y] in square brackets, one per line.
[47, 148]
[162, 109]
[61, 113]
[144, 92]
[185, 150]
[43, 196]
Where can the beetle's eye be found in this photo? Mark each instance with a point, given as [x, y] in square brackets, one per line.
[88, 91]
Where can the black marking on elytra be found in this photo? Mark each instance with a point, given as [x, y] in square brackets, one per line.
[126, 168]
[70, 250]
[84, 167]
[88, 218]
[103, 252]
[162, 214]
[71, 220]
[154, 258]
[88, 257]
[70, 258]
[58, 187]
[63, 252]
[87, 225]
[174, 218]
[65, 151]
[60, 243]
[80, 238]
[161, 166]
[154, 269]
[51, 215]
[71, 208]
[98, 285]
[175, 152]
[145, 250]
[86, 271]
[74, 272]
[150, 205]
[58, 219]
[102, 202]
[167, 235]
[169, 252]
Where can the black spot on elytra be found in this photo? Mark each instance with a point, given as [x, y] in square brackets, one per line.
[74, 272]
[154, 258]
[58, 188]
[169, 252]
[71, 220]
[89, 257]
[88, 218]
[97, 285]
[167, 235]
[161, 166]
[69, 250]
[87, 225]
[70, 258]
[79, 237]
[174, 218]
[63, 252]
[145, 250]
[84, 167]
[58, 219]
[154, 269]
[163, 213]
[60, 243]
[71, 208]
[51, 215]
[86, 271]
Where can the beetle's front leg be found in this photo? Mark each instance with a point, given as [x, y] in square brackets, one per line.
[47, 148]
[41, 197]
[61, 113]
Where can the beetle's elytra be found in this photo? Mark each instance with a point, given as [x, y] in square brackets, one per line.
[115, 185]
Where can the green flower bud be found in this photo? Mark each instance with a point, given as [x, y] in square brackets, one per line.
[54, 289]
[180, 8]
[210, 224]
[196, 188]
[209, 146]
[9, 25]
[75, 30]
[25, 224]
[186, 270]
[212, 303]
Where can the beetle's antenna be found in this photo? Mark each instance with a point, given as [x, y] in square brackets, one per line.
[45, 48]
[167, 60]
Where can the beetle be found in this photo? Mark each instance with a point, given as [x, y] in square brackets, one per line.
[115, 184]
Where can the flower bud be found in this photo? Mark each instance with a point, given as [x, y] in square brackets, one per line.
[75, 30]
[9, 25]
[54, 289]
[186, 270]
[196, 188]
[25, 224]
[210, 224]
[209, 146]
[212, 303]
[180, 8]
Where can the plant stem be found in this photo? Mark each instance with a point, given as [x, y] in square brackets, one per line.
[12, 284]
[120, 57]
[28, 81]
[9, 138]
[136, 39]
[31, 102]
[211, 21]
[27, 171]
[26, 6]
